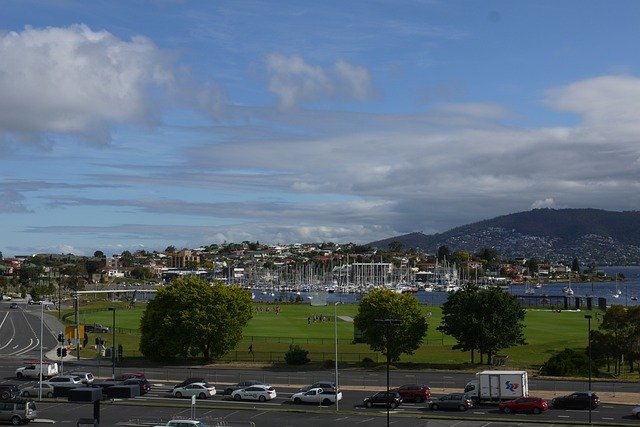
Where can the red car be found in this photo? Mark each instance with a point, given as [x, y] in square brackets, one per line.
[524, 404]
[415, 392]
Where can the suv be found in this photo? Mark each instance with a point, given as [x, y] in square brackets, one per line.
[86, 377]
[18, 411]
[9, 391]
[416, 392]
[325, 385]
[96, 327]
[391, 399]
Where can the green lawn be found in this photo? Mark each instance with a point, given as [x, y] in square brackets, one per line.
[271, 334]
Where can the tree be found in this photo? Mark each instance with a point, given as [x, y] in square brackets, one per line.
[443, 253]
[191, 317]
[385, 304]
[487, 320]
[98, 254]
[170, 249]
[575, 266]
[490, 255]
[614, 323]
[568, 362]
[396, 246]
[126, 259]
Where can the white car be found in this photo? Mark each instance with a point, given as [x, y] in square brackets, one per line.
[34, 390]
[255, 392]
[85, 377]
[636, 412]
[64, 380]
[199, 390]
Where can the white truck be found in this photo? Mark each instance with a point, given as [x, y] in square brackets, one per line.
[498, 385]
[33, 370]
[318, 396]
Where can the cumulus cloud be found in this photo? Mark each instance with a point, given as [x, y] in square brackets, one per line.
[546, 203]
[295, 81]
[78, 81]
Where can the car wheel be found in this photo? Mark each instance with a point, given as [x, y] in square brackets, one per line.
[393, 405]
[237, 397]
[202, 395]
[434, 407]
[297, 400]
[506, 410]
[5, 395]
[326, 402]
[178, 394]
[462, 407]
[50, 394]
[419, 399]
[26, 393]
[638, 415]
[536, 410]
[19, 375]
[262, 398]
[16, 421]
[368, 404]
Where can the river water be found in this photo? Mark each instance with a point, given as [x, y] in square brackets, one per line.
[628, 291]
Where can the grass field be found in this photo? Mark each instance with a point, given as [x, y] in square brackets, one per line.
[271, 334]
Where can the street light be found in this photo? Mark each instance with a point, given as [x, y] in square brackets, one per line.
[335, 332]
[588, 317]
[113, 345]
[41, 344]
[388, 322]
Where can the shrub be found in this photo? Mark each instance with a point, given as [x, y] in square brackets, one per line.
[296, 355]
[367, 362]
[327, 364]
[568, 362]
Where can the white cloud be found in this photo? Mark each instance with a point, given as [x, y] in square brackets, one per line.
[546, 203]
[295, 81]
[75, 81]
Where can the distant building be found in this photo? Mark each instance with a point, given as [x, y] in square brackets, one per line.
[182, 258]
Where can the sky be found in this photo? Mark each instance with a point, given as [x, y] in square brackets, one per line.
[128, 125]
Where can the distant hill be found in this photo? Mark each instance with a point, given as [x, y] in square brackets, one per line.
[592, 235]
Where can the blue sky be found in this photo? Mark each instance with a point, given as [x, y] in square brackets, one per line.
[142, 124]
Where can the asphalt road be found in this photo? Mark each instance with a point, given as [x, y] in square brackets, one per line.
[19, 340]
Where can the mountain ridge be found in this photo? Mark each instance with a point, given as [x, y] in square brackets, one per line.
[594, 236]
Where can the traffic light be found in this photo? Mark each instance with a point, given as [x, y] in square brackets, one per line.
[64, 352]
[60, 337]
[59, 351]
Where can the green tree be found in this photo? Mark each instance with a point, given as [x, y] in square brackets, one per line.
[490, 255]
[443, 253]
[192, 317]
[98, 254]
[396, 246]
[568, 362]
[385, 304]
[615, 324]
[487, 320]
[575, 266]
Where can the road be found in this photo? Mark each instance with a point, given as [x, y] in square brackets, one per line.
[19, 340]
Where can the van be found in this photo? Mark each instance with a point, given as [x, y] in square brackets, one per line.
[33, 370]
[17, 411]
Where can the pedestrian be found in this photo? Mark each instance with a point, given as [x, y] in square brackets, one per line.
[309, 320]
[251, 348]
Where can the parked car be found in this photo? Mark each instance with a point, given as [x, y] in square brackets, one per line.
[255, 392]
[183, 423]
[33, 370]
[17, 411]
[391, 399]
[189, 381]
[577, 400]
[13, 305]
[531, 404]
[9, 391]
[243, 384]
[64, 380]
[34, 390]
[325, 385]
[415, 392]
[96, 327]
[145, 385]
[636, 412]
[201, 390]
[86, 377]
[459, 401]
[129, 375]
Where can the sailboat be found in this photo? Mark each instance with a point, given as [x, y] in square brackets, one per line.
[567, 289]
[528, 289]
[617, 292]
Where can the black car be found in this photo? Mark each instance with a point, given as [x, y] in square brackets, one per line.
[243, 384]
[391, 399]
[578, 400]
[9, 391]
[189, 381]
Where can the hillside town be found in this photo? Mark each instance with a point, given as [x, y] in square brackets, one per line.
[298, 267]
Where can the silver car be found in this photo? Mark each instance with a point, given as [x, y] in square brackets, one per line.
[459, 401]
[34, 390]
[86, 377]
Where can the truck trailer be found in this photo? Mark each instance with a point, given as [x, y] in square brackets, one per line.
[498, 385]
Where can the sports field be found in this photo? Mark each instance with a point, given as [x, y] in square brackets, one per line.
[312, 328]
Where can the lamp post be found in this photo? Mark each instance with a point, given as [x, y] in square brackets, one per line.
[335, 332]
[588, 317]
[41, 344]
[388, 322]
[113, 345]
